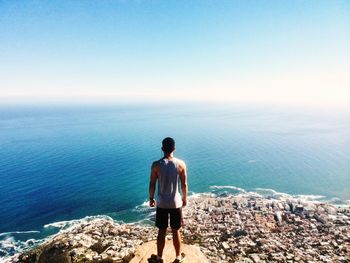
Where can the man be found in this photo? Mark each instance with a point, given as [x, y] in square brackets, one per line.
[167, 171]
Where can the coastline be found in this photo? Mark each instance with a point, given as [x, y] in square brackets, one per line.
[242, 227]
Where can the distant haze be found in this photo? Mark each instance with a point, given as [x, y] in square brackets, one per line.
[286, 52]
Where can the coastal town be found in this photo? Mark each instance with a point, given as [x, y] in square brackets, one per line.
[230, 228]
[247, 228]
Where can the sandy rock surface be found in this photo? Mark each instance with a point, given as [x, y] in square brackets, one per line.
[193, 253]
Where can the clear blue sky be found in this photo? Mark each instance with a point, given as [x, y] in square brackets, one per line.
[284, 51]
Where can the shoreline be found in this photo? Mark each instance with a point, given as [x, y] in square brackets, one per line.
[226, 228]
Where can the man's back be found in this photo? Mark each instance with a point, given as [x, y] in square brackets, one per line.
[168, 183]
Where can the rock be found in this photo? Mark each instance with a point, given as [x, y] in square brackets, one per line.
[320, 219]
[331, 210]
[255, 258]
[99, 247]
[96, 233]
[54, 254]
[73, 253]
[278, 216]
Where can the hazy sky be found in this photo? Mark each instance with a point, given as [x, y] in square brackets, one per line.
[257, 51]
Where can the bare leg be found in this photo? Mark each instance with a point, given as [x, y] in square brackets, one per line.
[161, 241]
[177, 241]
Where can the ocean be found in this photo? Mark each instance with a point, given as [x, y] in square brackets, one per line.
[65, 163]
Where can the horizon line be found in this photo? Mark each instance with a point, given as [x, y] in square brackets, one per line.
[128, 99]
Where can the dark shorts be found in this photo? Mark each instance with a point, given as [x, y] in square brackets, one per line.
[162, 217]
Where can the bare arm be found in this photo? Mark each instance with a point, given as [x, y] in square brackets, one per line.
[184, 188]
[152, 184]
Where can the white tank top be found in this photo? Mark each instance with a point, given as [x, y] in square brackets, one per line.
[168, 184]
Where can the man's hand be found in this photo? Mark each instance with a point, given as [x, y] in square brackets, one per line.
[184, 201]
[152, 203]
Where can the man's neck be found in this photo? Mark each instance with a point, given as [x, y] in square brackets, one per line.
[168, 155]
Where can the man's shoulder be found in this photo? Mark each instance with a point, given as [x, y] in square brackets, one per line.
[181, 162]
[155, 164]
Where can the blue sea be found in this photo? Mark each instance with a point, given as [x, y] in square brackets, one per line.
[64, 163]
